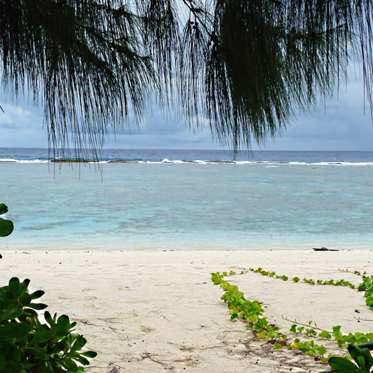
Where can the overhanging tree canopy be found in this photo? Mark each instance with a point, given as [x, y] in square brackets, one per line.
[245, 64]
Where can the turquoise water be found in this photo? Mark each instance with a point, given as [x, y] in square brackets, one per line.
[185, 205]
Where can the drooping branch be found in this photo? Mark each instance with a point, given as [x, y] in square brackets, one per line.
[245, 66]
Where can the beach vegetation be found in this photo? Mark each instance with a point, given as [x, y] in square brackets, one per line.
[251, 311]
[29, 344]
[301, 329]
[366, 285]
[336, 334]
[305, 280]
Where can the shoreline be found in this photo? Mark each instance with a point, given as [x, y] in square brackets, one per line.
[150, 311]
[254, 249]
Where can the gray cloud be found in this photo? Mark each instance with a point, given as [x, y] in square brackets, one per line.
[337, 124]
[340, 123]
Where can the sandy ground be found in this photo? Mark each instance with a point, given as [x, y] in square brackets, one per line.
[157, 311]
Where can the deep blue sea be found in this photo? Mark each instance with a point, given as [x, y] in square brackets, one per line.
[176, 199]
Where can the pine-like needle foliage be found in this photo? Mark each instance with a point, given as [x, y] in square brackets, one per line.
[245, 65]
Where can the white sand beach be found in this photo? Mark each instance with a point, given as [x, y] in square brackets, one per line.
[158, 311]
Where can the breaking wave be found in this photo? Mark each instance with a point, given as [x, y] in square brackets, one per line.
[181, 162]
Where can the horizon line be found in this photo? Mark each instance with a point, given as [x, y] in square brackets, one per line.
[188, 149]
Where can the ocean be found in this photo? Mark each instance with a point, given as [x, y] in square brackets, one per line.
[182, 199]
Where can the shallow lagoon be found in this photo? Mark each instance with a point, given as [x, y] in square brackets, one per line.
[189, 205]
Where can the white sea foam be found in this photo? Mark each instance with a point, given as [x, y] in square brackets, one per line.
[340, 164]
[298, 163]
[34, 161]
[99, 162]
[356, 163]
[8, 160]
[11, 160]
[244, 162]
[176, 161]
[267, 164]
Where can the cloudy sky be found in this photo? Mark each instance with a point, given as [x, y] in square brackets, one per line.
[340, 123]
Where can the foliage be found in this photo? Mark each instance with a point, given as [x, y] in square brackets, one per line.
[308, 281]
[367, 287]
[342, 340]
[360, 355]
[252, 312]
[245, 65]
[310, 348]
[301, 329]
[6, 226]
[27, 344]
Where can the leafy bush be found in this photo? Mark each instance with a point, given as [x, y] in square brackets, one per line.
[363, 361]
[29, 346]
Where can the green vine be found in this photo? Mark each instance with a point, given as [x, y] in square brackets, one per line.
[366, 285]
[308, 281]
[336, 334]
[252, 312]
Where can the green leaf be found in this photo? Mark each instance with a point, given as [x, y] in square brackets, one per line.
[37, 294]
[38, 306]
[3, 208]
[43, 334]
[48, 318]
[14, 284]
[90, 354]
[81, 359]
[62, 325]
[340, 364]
[70, 365]
[369, 346]
[361, 356]
[79, 343]
[6, 227]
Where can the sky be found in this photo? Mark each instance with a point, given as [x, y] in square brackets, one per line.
[339, 123]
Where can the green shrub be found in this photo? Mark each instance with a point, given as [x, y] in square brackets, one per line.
[28, 345]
